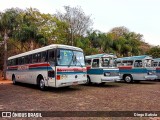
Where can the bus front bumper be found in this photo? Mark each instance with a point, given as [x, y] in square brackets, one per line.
[110, 79]
[150, 77]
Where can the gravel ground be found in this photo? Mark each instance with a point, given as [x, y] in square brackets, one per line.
[142, 96]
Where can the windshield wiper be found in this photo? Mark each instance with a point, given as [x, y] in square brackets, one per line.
[71, 60]
[78, 61]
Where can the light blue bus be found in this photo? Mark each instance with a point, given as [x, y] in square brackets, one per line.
[156, 64]
[136, 68]
[101, 68]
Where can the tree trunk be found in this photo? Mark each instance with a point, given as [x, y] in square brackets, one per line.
[32, 45]
[5, 55]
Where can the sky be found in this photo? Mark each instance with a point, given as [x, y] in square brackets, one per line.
[140, 16]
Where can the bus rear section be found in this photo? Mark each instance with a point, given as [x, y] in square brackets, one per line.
[101, 68]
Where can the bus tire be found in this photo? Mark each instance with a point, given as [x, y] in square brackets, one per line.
[14, 80]
[88, 80]
[128, 78]
[41, 83]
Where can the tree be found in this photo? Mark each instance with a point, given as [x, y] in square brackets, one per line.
[119, 32]
[78, 23]
[8, 23]
[155, 52]
[28, 30]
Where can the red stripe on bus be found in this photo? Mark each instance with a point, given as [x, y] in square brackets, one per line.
[125, 67]
[31, 65]
[39, 65]
[158, 68]
[12, 67]
[70, 69]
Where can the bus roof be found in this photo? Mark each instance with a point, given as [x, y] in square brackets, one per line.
[156, 59]
[100, 55]
[44, 49]
[135, 58]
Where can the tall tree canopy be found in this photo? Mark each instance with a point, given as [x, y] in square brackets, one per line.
[78, 23]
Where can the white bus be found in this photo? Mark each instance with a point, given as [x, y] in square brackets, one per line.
[101, 68]
[51, 66]
[156, 64]
[136, 68]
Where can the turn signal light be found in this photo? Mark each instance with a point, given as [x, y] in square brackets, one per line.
[58, 77]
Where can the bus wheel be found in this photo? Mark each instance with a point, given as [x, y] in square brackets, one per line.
[42, 84]
[14, 80]
[88, 80]
[128, 79]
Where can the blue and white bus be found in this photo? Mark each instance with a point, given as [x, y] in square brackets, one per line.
[101, 68]
[156, 64]
[136, 68]
[51, 66]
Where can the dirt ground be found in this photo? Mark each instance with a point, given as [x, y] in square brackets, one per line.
[143, 96]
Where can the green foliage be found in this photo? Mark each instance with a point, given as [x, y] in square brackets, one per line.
[155, 52]
[30, 28]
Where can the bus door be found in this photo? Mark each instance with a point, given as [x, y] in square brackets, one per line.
[51, 68]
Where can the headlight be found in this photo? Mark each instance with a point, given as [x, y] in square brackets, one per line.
[150, 73]
[107, 74]
[119, 74]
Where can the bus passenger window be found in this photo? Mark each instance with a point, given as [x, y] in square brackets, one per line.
[138, 63]
[38, 57]
[88, 62]
[20, 61]
[26, 59]
[44, 57]
[35, 56]
[95, 63]
[30, 59]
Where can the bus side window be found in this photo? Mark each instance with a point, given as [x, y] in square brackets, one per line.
[51, 57]
[26, 60]
[95, 63]
[35, 56]
[29, 58]
[44, 56]
[16, 61]
[119, 63]
[159, 64]
[138, 63]
[38, 57]
[23, 60]
[88, 62]
[13, 61]
[20, 61]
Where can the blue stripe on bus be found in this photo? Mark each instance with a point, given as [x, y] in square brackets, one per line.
[35, 68]
[100, 71]
[158, 71]
[135, 71]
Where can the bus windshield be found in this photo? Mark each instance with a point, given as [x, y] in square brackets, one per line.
[108, 62]
[70, 58]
